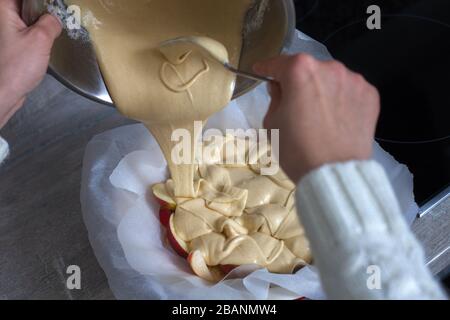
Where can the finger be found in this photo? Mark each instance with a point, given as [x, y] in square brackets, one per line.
[10, 16]
[274, 67]
[48, 26]
[10, 5]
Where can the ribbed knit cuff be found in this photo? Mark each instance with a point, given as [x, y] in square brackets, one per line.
[342, 201]
[353, 221]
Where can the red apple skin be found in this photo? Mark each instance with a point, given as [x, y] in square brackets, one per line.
[227, 268]
[165, 205]
[164, 217]
[162, 203]
[175, 245]
[165, 211]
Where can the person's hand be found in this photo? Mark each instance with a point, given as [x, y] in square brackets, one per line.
[325, 113]
[24, 55]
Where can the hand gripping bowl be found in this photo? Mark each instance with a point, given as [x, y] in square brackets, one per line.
[73, 62]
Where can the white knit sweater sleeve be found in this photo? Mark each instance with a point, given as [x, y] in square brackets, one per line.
[361, 244]
[4, 149]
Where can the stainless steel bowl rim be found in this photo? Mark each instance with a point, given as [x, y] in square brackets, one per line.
[106, 100]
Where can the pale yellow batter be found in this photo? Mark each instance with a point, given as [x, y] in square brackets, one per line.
[238, 217]
[228, 218]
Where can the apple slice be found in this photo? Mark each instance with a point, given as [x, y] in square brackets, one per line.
[201, 269]
[164, 198]
[165, 211]
[165, 204]
[227, 268]
[164, 216]
[162, 203]
[177, 244]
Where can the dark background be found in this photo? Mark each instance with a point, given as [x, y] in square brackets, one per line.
[408, 60]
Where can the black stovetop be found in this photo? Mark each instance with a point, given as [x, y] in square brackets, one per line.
[409, 61]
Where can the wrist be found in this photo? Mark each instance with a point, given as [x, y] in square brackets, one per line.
[302, 166]
[298, 167]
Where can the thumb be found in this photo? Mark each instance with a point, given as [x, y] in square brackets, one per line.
[275, 94]
[47, 28]
[274, 67]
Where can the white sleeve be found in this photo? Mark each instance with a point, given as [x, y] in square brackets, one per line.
[4, 149]
[360, 242]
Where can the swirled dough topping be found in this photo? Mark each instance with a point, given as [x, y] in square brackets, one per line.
[238, 217]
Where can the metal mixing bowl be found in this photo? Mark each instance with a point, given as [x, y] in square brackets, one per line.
[73, 62]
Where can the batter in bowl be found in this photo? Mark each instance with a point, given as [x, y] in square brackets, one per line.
[169, 88]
